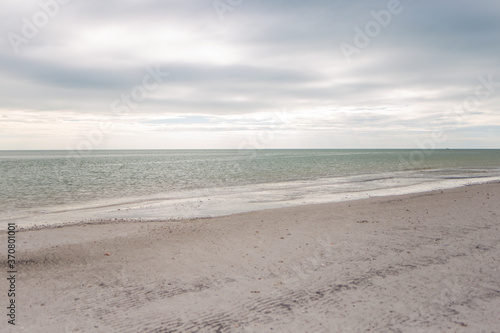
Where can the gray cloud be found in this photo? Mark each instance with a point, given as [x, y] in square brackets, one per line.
[264, 55]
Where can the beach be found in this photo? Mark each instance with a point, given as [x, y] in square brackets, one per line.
[249, 166]
[422, 262]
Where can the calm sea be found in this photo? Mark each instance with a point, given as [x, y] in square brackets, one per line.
[58, 187]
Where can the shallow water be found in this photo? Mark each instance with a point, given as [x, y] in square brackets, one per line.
[169, 183]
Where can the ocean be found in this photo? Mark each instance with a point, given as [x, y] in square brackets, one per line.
[53, 187]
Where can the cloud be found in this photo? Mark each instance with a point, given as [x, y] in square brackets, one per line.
[262, 57]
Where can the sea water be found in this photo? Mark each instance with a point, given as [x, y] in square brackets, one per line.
[51, 187]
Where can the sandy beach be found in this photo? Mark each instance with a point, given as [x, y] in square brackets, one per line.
[426, 262]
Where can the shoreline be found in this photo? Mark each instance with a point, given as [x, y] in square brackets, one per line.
[221, 202]
[415, 262]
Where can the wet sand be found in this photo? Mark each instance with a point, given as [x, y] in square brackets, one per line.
[427, 262]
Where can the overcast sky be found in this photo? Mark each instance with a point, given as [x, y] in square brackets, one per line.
[94, 74]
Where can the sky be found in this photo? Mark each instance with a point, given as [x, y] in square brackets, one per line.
[249, 74]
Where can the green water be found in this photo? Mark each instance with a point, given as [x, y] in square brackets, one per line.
[30, 179]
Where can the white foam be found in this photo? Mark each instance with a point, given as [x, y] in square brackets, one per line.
[225, 201]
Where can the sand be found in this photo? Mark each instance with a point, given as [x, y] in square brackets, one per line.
[427, 262]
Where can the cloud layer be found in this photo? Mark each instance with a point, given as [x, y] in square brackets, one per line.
[309, 74]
